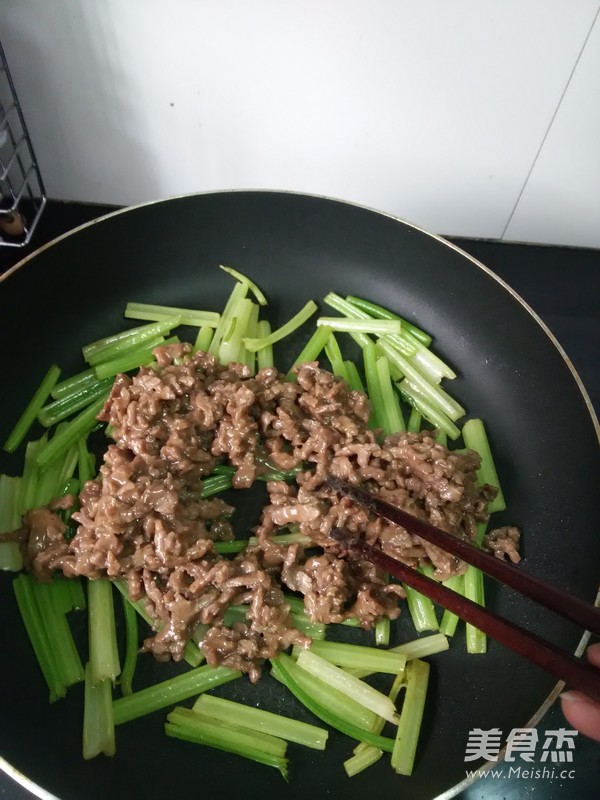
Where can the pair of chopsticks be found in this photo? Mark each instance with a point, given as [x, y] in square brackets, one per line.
[573, 672]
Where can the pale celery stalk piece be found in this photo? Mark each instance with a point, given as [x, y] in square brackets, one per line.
[11, 558]
[407, 735]
[289, 327]
[187, 316]
[365, 755]
[257, 719]
[264, 356]
[352, 687]
[244, 279]
[98, 724]
[32, 409]
[355, 656]
[418, 648]
[104, 654]
[348, 325]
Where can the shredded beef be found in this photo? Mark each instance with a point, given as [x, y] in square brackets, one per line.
[143, 519]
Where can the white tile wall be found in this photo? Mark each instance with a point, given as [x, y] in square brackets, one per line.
[561, 200]
[431, 110]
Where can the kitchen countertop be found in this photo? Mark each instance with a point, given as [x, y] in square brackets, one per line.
[562, 285]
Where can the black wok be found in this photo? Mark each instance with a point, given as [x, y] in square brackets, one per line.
[297, 247]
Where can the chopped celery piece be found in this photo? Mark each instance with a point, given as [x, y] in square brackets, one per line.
[382, 632]
[289, 327]
[474, 589]
[348, 325]
[414, 420]
[362, 760]
[235, 546]
[220, 737]
[229, 350]
[475, 438]
[84, 462]
[29, 482]
[431, 391]
[336, 359]
[239, 276]
[288, 673]
[450, 620]
[186, 316]
[431, 412]
[204, 338]
[247, 357]
[417, 648]
[170, 692]
[131, 646]
[140, 357]
[98, 724]
[66, 406]
[373, 386]
[215, 484]
[11, 558]
[325, 695]
[311, 351]
[81, 425]
[365, 755]
[411, 716]
[382, 313]
[104, 656]
[354, 379]
[348, 684]
[263, 721]
[73, 384]
[348, 310]
[65, 653]
[421, 610]
[264, 356]
[123, 343]
[27, 418]
[34, 625]
[355, 656]
[238, 293]
[195, 719]
[391, 414]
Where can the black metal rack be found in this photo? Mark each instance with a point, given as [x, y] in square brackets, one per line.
[22, 195]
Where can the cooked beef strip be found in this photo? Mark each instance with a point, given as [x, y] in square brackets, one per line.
[143, 519]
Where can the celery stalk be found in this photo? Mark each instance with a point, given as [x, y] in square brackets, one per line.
[417, 648]
[104, 656]
[324, 695]
[289, 327]
[257, 719]
[170, 692]
[349, 685]
[28, 417]
[186, 316]
[417, 678]
[264, 356]
[288, 675]
[11, 558]
[355, 656]
[311, 351]
[98, 724]
[131, 646]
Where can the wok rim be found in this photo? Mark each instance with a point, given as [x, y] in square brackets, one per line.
[37, 790]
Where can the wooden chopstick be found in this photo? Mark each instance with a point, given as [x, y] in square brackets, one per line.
[576, 674]
[563, 603]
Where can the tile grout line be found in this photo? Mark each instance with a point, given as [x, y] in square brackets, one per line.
[543, 142]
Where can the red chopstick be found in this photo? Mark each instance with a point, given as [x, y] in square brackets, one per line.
[545, 655]
[567, 605]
